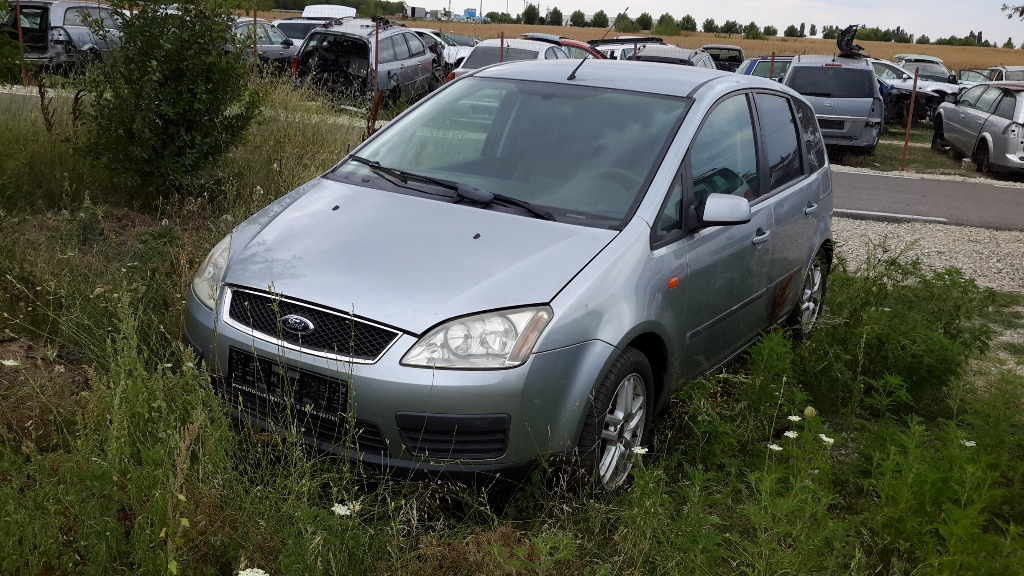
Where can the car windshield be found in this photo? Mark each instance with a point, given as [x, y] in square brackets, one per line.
[462, 39]
[929, 70]
[832, 81]
[583, 154]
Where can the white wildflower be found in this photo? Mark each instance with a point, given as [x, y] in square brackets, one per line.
[794, 418]
[346, 509]
[639, 450]
[775, 447]
[253, 572]
[10, 363]
[790, 434]
[969, 443]
[810, 412]
[828, 441]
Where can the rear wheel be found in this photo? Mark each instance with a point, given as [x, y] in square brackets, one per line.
[938, 138]
[982, 160]
[804, 318]
[616, 421]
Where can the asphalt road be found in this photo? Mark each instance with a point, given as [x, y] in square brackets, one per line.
[921, 198]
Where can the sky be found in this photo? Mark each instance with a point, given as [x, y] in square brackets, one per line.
[934, 18]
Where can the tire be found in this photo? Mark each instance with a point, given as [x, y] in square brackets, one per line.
[616, 421]
[938, 137]
[982, 160]
[804, 317]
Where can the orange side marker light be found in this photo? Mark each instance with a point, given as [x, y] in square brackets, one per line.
[673, 282]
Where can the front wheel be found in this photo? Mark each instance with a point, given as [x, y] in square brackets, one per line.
[804, 318]
[617, 420]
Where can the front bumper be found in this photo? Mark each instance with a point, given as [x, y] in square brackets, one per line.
[412, 420]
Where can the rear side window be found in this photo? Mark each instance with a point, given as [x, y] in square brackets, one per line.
[416, 46]
[1015, 75]
[387, 49]
[401, 47]
[1006, 106]
[554, 53]
[988, 100]
[832, 81]
[811, 135]
[779, 131]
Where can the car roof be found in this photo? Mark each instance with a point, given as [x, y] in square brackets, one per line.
[361, 27]
[827, 59]
[653, 77]
[1014, 85]
[538, 45]
[666, 51]
[1000, 67]
[722, 47]
[918, 58]
[627, 40]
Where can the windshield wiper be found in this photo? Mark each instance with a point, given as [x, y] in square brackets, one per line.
[461, 191]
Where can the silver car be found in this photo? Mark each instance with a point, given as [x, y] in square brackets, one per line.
[64, 33]
[845, 97]
[493, 51]
[524, 265]
[986, 123]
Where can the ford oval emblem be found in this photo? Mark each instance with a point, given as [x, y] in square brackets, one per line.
[297, 324]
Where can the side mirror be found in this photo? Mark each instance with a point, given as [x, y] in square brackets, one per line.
[723, 210]
[287, 43]
[951, 98]
[952, 79]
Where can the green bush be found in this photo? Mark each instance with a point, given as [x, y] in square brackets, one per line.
[171, 102]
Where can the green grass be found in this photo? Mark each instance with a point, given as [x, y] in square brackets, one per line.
[116, 457]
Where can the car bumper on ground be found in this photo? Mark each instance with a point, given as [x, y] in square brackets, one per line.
[403, 418]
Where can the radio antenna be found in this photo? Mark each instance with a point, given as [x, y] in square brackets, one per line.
[572, 76]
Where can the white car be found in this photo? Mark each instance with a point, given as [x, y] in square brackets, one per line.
[453, 53]
[493, 51]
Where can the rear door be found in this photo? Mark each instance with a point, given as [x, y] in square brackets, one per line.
[962, 125]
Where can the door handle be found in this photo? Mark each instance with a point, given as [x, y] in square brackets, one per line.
[810, 209]
[761, 237]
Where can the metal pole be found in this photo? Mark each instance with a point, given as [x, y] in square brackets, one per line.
[376, 59]
[910, 119]
[501, 48]
[21, 41]
[255, 40]
[771, 67]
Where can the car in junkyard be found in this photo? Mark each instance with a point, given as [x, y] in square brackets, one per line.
[64, 34]
[845, 96]
[496, 50]
[897, 85]
[452, 53]
[313, 16]
[623, 47]
[574, 48]
[272, 45]
[341, 59]
[993, 74]
[773, 67]
[674, 55]
[985, 123]
[727, 57]
[928, 67]
[522, 267]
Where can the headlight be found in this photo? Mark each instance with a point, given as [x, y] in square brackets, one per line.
[206, 283]
[493, 340]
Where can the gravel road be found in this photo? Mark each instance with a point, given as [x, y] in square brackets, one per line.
[994, 258]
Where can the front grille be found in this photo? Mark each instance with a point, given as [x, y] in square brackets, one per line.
[333, 332]
[454, 436]
[279, 395]
[832, 124]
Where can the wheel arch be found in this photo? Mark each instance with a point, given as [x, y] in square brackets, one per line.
[653, 347]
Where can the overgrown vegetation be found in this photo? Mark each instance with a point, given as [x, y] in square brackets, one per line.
[873, 448]
[171, 101]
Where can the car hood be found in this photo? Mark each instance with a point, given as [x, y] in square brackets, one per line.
[406, 261]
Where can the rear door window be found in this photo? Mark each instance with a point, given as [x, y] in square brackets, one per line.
[987, 100]
[779, 134]
[811, 135]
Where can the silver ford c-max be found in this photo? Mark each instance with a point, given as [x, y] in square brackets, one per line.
[525, 265]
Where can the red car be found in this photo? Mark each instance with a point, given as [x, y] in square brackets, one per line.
[575, 48]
